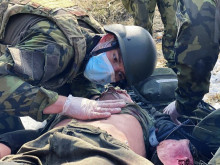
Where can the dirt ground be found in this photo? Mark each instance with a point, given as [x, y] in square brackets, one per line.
[113, 11]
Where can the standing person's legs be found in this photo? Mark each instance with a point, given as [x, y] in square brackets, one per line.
[195, 52]
[167, 10]
[142, 12]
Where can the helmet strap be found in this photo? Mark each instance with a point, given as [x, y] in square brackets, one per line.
[114, 45]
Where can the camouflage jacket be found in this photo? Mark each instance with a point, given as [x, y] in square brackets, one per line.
[61, 59]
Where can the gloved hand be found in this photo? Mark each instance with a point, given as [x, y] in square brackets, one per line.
[171, 110]
[84, 109]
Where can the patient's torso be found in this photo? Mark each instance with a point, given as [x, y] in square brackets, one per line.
[123, 127]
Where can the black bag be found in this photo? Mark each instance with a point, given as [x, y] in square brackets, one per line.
[158, 89]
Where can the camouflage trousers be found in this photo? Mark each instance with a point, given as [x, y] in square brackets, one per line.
[76, 143]
[143, 14]
[196, 52]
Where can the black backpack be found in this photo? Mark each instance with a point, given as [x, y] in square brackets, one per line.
[158, 89]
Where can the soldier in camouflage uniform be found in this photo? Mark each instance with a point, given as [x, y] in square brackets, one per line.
[143, 14]
[197, 50]
[44, 58]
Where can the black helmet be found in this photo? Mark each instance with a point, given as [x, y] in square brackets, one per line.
[138, 51]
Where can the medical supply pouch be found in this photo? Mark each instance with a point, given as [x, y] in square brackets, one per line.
[158, 89]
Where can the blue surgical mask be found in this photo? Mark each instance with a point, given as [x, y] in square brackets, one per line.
[99, 70]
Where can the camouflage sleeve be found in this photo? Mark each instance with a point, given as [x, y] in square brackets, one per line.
[21, 94]
[142, 12]
[81, 87]
[196, 52]
[19, 98]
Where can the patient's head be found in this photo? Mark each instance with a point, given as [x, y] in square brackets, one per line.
[112, 94]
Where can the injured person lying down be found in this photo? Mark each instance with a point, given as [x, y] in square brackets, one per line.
[119, 139]
[123, 138]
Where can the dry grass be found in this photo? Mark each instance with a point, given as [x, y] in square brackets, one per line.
[105, 11]
[212, 98]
